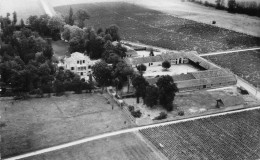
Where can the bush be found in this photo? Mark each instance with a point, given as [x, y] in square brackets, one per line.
[136, 114]
[161, 116]
[131, 108]
[181, 113]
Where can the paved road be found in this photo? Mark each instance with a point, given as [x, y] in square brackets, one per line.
[100, 136]
[226, 52]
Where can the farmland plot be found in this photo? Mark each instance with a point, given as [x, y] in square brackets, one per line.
[244, 64]
[34, 124]
[121, 147]
[152, 27]
[234, 136]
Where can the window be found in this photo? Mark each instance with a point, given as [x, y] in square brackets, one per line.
[81, 73]
[83, 61]
[79, 68]
[72, 68]
[77, 62]
[89, 67]
[85, 68]
[151, 63]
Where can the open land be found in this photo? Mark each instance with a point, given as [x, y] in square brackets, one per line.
[234, 136]
[153, 71]
[121, 147]
[139, 24]
[244, 64]
[40, 123]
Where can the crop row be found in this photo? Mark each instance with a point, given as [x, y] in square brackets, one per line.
[234, 136]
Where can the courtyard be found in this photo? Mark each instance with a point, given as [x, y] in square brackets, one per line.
[178, 69]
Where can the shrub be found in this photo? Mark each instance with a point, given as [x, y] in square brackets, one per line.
[136, 114]
[161, 116]
[131, 108]
[181, 113]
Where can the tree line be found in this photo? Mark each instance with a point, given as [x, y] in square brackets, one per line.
[251, 8]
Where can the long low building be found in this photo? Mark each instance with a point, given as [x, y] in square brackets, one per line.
[201, 80]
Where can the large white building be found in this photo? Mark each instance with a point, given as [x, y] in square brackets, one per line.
[78, 63]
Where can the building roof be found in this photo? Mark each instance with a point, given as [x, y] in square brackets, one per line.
[210, 73]
[182, 77]
[205, 81]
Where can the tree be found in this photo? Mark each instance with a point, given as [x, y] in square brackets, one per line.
[22, 23]
[48, 51]
[220, 4]
[151, 53]
[14, 18]
[71, 19]
[76, 45]
[166, 65]
[55, 25]
[151, 95]
[81, 16]
[102, 74]
[231, 6]
[139, 84]
[141, 68]
[77, 85]
[167, 90]
[113, 30]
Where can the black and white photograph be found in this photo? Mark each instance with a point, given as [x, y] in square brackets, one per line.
[129, 79]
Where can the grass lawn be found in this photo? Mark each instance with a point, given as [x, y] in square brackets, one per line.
[139, 24]
[234, 136]
[244, 64]
[39, 123]
[60, 48]
[121, 147]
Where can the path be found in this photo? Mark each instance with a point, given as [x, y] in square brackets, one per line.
[105, 135]
[232, 51]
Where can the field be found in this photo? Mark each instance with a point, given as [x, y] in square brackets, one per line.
[25, 8]
[244, 64]
[228, 137]
[139, 24]
[39, 123]
[121, 147]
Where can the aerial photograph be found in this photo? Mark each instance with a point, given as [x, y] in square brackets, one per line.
[129, 79]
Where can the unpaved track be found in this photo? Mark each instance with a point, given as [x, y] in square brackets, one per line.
[232, 51]
[100, 136]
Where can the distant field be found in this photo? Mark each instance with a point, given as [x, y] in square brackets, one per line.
[121, 147]
[244, 64]
[226, 137]
[40, 123]
[152, 27]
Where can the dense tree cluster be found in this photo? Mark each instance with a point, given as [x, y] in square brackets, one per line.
[27, 64]
[163, 92]
[46, 25]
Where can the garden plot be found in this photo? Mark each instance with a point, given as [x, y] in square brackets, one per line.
[39, 123]
[153, 71]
